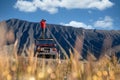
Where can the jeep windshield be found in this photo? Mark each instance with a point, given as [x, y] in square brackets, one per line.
[45, 42]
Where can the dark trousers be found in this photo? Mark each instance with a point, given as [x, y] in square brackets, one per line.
[43, 33]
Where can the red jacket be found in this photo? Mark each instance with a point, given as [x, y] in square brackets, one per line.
[43, 24]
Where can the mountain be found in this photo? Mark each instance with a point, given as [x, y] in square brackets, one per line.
[84, 41]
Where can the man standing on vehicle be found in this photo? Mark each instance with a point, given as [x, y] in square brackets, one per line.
[43, 27]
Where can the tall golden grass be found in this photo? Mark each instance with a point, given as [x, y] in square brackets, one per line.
[32, 68]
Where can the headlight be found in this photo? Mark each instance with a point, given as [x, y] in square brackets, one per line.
[54, 49]
[42, 49]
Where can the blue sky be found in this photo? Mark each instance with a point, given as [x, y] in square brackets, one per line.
[89, 14]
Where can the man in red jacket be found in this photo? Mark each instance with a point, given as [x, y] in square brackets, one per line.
[43, 27]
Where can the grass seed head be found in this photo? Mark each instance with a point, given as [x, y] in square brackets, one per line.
[99, 73]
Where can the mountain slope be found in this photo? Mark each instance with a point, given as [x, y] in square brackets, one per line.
[96, 42]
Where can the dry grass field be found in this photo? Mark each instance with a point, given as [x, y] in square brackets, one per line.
[13, 67]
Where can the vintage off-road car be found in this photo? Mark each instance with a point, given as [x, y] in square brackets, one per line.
[46, 48]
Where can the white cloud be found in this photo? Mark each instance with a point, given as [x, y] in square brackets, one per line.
[52, 6]
[100, 4]
[78, 25]
[107, 22]
[25, 6]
